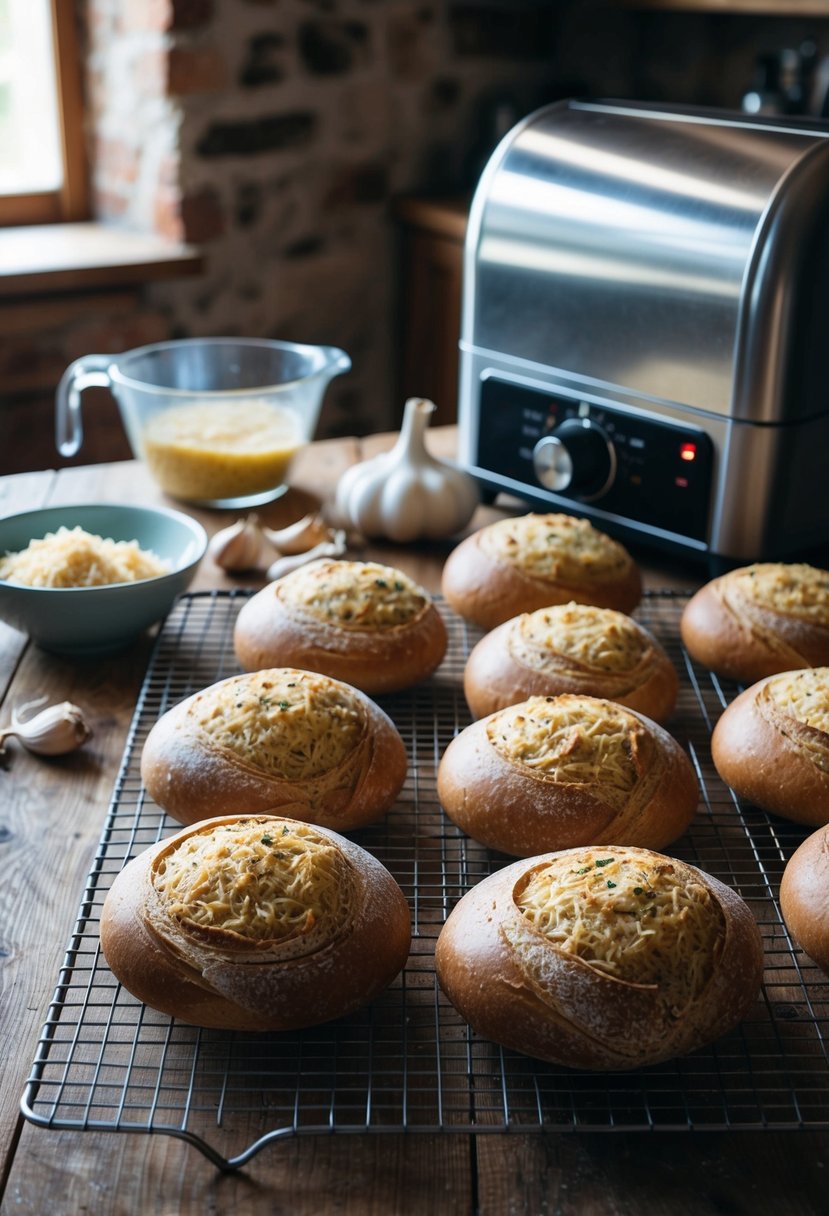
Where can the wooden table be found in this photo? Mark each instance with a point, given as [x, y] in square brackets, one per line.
[50, 821]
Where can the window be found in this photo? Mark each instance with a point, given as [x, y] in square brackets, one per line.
[42, 172]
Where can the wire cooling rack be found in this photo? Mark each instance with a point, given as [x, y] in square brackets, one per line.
[409, 1063]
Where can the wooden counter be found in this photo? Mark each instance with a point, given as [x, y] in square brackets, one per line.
[51, 820]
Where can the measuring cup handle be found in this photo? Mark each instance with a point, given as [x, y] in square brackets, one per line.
[87, 372]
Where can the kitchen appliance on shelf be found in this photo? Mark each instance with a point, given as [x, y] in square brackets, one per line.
[645, 327]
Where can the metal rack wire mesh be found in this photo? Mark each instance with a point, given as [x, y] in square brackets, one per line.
[408, 1062]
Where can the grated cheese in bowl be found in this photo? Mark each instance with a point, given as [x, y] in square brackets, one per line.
[72, 557]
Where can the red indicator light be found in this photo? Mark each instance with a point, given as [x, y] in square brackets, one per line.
[682, 482]
[688, 451]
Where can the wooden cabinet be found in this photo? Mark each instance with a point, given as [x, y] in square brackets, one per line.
[431, 237]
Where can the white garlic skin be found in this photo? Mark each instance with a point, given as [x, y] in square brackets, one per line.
[54, 731]
[239, 546]
[329, 548]
[407, 494]
[299, 537]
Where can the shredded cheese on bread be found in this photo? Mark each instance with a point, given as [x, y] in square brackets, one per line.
[265, 881]
[354, 595]
[290, 723]
[72, 557]
[803, 695]
[573, 740]
[558, 548]
[592, 639]
[794, 589]
[646, 921]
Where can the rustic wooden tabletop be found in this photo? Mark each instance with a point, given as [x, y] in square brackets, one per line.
[50, 823]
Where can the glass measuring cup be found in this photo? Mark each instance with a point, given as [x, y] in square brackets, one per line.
[217, 420]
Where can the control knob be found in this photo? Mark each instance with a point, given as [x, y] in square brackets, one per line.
[577, 456]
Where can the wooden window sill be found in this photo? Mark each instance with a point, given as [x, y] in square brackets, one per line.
[73, 257]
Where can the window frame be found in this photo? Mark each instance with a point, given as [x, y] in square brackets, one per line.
[70, 202]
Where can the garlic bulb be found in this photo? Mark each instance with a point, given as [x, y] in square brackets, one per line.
[406, 494]
[239, 546]
[53, 732]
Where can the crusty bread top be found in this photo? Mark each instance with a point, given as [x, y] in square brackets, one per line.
[259, 884]
[290, 723]
[353, 595]
[574, 740]
[591, 639]
[641, 918]
[555, 548]
[792, 589]
[803, 695]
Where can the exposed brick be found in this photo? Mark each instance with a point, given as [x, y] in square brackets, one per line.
[167, 217]
[203, 216]
[270, 133]
[195, 71]
[136, 16]
[262, 64]
[331, 48]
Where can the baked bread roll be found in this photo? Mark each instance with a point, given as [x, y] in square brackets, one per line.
[611, 958]
[759, 620]
[255, 923]
[532, 561]
[361, 622]
[804, 896]
[771, 745]
[552, 773]
[312, 747]
[570, 648]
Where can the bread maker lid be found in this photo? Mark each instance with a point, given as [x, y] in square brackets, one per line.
[683, 255]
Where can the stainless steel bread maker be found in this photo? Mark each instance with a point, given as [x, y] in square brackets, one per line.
[645, 328]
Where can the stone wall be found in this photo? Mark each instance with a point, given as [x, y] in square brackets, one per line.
[275, 133]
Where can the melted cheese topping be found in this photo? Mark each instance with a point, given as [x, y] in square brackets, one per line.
[293, 724]
[643, 920]
[72, 557]
[803, 695]
[267, 881]
[555, 547]
[354, 595]
[598, 639]
[796, 589]
[573, 740]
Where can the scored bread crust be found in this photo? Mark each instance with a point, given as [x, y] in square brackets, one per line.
[746, 640]
[271, 630]
[486, 589]
[804, 896]
[495, 677]
[226, 985]
[771, 758]
[192, 777]
[576, 1015]
[522, 811]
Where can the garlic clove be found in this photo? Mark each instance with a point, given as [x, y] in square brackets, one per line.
[239, 546]
[54, 731]
[330, 548]
[301, 536]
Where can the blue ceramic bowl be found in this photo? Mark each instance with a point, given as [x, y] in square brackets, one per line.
[99, 620]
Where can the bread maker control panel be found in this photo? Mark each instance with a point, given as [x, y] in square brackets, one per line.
[655, 472]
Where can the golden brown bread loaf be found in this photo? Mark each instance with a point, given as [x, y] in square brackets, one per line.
[804, 896]
[611, 958]
[771, 745]
[255, 923]
[555, 772]
[759, 620]
[532, 561]
[570, 648]
[312, 747]
[361, 622]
